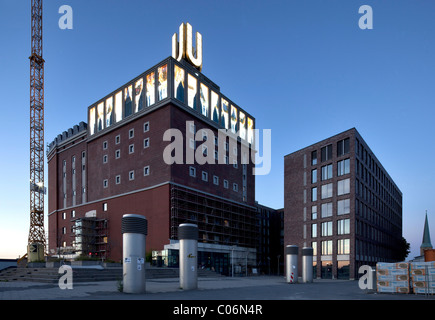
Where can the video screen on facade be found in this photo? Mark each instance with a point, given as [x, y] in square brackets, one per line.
[250, 130]
[163, 82]
[138, 97]
[179, 83]
[128, 102]
[242, 125]
[233, 119]
[118, 106]
[92, 120]
[203, 99]
[214, 107]
[100, 115]
[151, 89]
[224, 113]
[109, 112]
[191, 91]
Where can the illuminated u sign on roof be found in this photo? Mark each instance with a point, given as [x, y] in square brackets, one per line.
[183, 48]
[178, 80]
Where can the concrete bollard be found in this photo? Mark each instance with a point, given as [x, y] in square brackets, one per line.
[188, 237]
[134, 230]
[307, 264]
[292, 263]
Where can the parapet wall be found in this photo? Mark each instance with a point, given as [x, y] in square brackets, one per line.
[66, 135]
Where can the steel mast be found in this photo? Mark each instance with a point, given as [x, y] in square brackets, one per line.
[36, 240]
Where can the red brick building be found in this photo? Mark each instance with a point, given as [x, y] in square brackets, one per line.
[341, 201]
[115, 165]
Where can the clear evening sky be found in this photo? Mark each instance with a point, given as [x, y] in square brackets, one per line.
[302, 68]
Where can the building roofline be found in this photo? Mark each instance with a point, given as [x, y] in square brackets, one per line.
[361, 139]
[311, 145]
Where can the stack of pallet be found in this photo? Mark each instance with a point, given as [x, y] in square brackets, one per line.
[423, 277]
[392, 277]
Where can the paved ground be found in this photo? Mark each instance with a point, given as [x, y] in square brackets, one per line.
[251, 288]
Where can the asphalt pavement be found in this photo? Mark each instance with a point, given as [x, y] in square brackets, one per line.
[219, 288]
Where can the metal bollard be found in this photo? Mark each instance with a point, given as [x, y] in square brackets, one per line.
[292, 263]
[134, 230]
[307, 264]
[188, 236]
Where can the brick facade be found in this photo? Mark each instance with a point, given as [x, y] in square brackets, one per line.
[356, 215]
[120, 169]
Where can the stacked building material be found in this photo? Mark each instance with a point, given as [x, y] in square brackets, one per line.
[392, 277]
[423, 277]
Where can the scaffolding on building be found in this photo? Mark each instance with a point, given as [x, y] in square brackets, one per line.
[219, 221]
[90, 237]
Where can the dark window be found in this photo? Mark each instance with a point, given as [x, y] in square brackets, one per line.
[342, 147]
[326, 153]
[314, 158]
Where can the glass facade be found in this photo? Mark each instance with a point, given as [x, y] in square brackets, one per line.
[174, 81]
[163, 82]
[233, 119]
[250, 130]
[109, 112]
[326, 272]
[224, 113]
[128, 101]
[215, 106]
[179, 83]
[151, 96]
[138, 95]
[100, 116]
[204, 100]
[118, 106]
[191, 92]
[218, 262]
[242, 125]
[343, 269]
[92, 120]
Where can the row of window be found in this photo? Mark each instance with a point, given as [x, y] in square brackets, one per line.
[343, 167]
[146, 143]
[71, 189]
[131, 176]
[343, 227]
[343, 187]
[206, 101]
[142, 92]
[192, 145]
[343, 207]
[343, 147]
[204, 177]
[146, 128]
[72, 214]
[343, 247]
[375, 175]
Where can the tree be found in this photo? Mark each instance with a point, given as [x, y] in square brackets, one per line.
[402, 250]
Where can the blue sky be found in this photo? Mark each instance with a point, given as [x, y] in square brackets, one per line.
[303, 68]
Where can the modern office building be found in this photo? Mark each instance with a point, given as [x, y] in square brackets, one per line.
[168, 145]
[340, 200]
